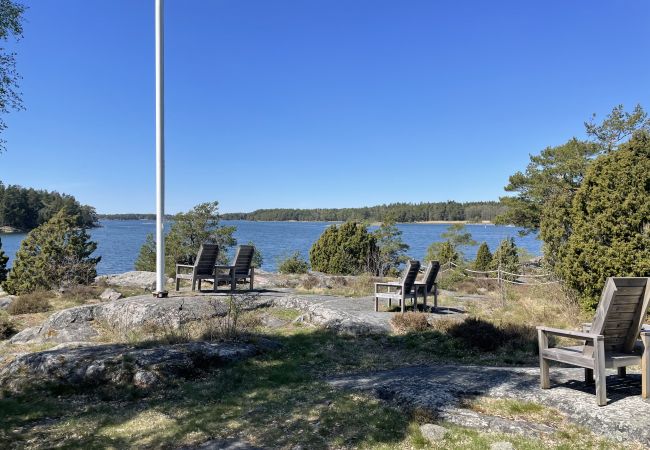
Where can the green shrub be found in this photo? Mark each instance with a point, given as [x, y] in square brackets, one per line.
[53, 255]
[33, 302]
[347, 249]
[445, 252]
[294, 263]
[4, 259]
[483, 259]
[258, 259]
[610, 219]
[506, 257]
[6, 326]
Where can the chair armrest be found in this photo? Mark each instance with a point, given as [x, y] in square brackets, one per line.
[571, 334]
[183, 266]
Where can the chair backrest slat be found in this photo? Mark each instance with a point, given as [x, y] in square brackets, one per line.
[206, 259]
[620, 313]
[431, 274]
[243, 259]
[410, 274]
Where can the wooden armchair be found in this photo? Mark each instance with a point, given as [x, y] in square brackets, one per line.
[610, 342]
[202, 269]
[399, 290]
[428, 284]
[240, 269]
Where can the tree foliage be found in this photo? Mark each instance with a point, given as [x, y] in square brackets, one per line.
[391, 249]
[610, 221]
[25, 209]
[506, 257]
[444, 251]
[188, 231]
[11, 25]
[347, 249]
[53, 255]
[483, 259]
[394, 212]
[618, 127]
[293, 263]
[4, 259]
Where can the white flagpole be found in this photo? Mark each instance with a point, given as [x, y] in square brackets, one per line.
[160, 153]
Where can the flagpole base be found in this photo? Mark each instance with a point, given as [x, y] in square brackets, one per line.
[161, 294]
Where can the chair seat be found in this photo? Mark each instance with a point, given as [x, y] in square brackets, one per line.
[574, 355]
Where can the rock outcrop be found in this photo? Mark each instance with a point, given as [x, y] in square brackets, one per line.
[136, 279]
[119, 364]
[81, 323]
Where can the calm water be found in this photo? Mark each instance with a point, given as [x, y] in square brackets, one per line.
[119, 240]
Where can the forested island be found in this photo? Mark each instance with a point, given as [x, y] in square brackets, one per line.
[23, 209]
[398, 212]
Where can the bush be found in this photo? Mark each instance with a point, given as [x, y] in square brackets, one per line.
[294, 263]
[4, 259]
[485, 336]
[6, 326]
[483, 259]
[34, 302]
[409, 322]
[445, 252]
[610, 218]
[53, 255]
[506, 257]
[344, 250]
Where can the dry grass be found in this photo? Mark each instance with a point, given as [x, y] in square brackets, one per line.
[409, 322]
[360, 286]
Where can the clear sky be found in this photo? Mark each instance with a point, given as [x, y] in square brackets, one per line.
[319, 103]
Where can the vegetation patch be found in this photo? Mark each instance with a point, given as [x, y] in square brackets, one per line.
[34, 302]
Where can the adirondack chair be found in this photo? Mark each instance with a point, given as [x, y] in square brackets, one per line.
[610, 342]
[399, 290]
[428, 284]
[240, 269]
[202, 269]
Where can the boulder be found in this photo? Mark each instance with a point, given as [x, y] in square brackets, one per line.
[80, 323]
[433, 433]
[110, 295]
[6, 301]
[119, 364]
[136, 279]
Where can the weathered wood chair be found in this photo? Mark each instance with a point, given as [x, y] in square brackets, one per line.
[202, 269]
[611, 341]
[240, 269]
[428, 284]
[401, 289]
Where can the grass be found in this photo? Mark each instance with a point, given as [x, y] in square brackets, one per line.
[279, 399]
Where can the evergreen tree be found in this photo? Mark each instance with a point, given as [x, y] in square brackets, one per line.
[56, 254]
[344, 250]
[506, 257]
[444, 252]
[4, 259]
[610, 221]
[188, 231]
[258, 259]
[483, 259]
[391, 249]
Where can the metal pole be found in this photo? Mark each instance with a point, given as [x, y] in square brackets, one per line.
[160, 152]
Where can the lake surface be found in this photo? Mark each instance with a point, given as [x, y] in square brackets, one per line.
[119, 241]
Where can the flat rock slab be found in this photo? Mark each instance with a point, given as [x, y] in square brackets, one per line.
[80, 323]
[136, 278]
[118, 364]
[441, 390]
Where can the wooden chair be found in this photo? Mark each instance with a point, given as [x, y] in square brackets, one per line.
[428, 284]
[240, 269]
[611, 341]
[401, 289]
[203, 267]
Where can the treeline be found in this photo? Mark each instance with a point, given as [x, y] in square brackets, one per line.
[399, 212]
[26, 208]
[127, 216]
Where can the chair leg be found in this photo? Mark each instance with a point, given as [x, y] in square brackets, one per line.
[544, 378]
[233, 283]
[435, 296]
[589, 376]
[599, 372]
[390, 303]
[193, 284]
[402, 302]
[645, 366]
[178, 283]
[622, 372]
[424, 295]
[376, 304]
[200, 285]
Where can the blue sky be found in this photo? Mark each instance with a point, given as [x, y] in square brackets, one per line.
[318, 103]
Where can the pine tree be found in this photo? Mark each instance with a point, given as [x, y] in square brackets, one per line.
[344, 250]
[444, 252]
[483, 259]
[55, 254]
[4, 259]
